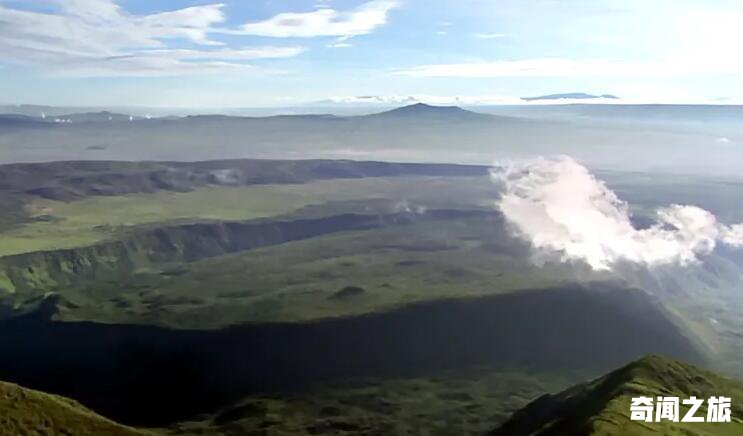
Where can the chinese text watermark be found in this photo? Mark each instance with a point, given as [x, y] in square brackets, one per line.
[667, 409]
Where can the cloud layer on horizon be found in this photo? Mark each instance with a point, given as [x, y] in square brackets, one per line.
[562, 67]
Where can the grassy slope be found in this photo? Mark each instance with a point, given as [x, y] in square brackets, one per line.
[56, 224]
[28, 412]
[60, 225]
[601, 407]
[448, 403]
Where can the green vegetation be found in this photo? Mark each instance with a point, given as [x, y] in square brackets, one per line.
[52, 225]
[602, 407]
[58, 225]
[28, 412]
[12, 213]
[134, 282]
[299, 281]
[465, 402]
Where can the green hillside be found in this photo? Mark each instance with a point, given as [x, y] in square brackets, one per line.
[28, 412]
[602, 406]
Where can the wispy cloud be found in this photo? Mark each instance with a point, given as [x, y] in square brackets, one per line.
[324, 22]
[229, 53]
[100, 38]
[559, 67]
[489, 35]
[339, 45]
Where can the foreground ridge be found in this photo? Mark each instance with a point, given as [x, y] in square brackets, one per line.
[26, 411]
[602, 406]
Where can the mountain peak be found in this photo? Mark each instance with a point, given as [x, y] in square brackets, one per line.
[427, 111]
[426, 108]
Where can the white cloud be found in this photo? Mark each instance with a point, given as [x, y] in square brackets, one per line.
[691, 40]
[419, 98]
[559, 67]
[99, 38]
[339, 45]
[563, 210]
[723, 140]
[248, 53]
[324, 22]
[90, 10]
[489, 35]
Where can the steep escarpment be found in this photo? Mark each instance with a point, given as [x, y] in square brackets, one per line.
[154, 376]
[35, 273]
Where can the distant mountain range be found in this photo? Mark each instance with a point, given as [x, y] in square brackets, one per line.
[420, 111]
[571, 96]
[352, 105]
[16, 121]
[413, 133]
[44, 111]
[95, 117]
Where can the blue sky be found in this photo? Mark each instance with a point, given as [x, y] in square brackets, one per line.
[201, 53]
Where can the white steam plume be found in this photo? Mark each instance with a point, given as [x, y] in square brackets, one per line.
[559, 207]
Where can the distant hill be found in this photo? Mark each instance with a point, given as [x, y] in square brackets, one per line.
[35, 110]
[420, 111]
[83, 117]
[52, 112]
[601, 407]
[570, 96]
[9, 121]
[95, 117]
[428, 112]
[25, 412]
